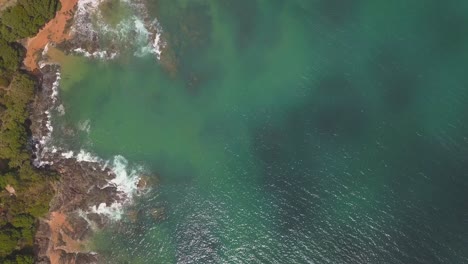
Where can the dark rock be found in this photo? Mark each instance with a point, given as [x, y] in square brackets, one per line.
[81, 186]
[158, 214]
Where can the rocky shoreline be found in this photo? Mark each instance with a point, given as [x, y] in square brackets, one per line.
[62, 235]
[87, 192]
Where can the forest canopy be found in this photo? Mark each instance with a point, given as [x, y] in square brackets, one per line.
[22, 20]
[25, 192]
[26, 18]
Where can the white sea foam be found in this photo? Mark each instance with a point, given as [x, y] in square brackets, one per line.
[68, 154]
[85, 126]
[61, 110]
[113, 212]
[83, 17]
[144, 37]
[43, 142]
[99, 54]
[158, 43]
[125, 181]
[86, 27]
[157, 46]
[53, 150]
[126, 178]
[87, 157]
[148, 40]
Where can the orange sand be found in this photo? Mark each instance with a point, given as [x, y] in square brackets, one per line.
[58, 223]
[54, 31]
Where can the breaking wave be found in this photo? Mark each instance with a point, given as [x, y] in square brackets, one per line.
[125, 176]
[94, 38]
[90, 26]
[125, 181]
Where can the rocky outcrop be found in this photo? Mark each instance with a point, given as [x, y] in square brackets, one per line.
[63, 234]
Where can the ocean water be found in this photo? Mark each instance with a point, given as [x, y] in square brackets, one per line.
[300, 131]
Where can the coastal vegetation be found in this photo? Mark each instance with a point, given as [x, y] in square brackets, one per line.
[25, 192]
[26, 18]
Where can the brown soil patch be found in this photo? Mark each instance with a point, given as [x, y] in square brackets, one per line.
[55, 31]
[59, 228]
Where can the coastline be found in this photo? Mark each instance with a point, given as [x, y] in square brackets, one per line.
[56, 31]
[90, 193]
[63, 233]
[85, 194]
[294, 132]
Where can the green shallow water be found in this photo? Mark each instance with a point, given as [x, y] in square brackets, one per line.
[293, 132]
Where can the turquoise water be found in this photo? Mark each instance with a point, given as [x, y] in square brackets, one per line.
[290, 132]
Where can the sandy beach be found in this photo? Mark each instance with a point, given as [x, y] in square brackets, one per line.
[55, 31]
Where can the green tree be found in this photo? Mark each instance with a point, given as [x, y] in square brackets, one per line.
[22, 259]
[23, 221]
[26, 18]
[10, 56]
[32, 187]
[9, 241]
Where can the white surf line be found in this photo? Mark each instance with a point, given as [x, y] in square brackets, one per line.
[125, 178]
